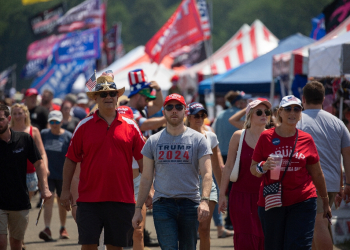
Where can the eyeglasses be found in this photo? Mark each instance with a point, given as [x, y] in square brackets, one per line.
[259, 112]
[111, 94]
[100, 86]
[197, 116]
[52, 122]
[170, 107]
[296, 109]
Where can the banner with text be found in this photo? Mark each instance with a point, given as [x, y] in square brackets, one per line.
[78, 45]
[41, 49]
[183, 28]
[44, 22]
[33, 68]
[59, 78]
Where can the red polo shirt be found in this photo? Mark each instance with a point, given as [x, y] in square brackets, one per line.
[106, 155]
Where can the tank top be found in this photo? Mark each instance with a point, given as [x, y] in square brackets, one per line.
[246, 182]
[30, 166]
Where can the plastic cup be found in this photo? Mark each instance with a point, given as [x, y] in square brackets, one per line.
[275, 173]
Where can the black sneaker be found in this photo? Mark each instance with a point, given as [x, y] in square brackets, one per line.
[148, 241]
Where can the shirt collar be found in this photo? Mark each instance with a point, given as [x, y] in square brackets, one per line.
[97, 117]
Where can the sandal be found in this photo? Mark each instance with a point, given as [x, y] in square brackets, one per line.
[225, 234]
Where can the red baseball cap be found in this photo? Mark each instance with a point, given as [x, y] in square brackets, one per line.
[126, 111]
[175, 97]
[31, 92]
[175, 78]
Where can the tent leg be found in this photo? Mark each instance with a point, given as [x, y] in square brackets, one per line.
[272, 90]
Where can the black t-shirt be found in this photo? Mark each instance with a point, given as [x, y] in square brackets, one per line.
[38, 117]
[13, 170]
[70, 126]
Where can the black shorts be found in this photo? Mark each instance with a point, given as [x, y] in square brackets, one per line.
[55, 185]
[114, 217]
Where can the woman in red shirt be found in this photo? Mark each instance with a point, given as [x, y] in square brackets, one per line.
[243, 209]
[288, 217]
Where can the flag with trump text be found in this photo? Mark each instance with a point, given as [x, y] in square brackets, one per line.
[184, 27]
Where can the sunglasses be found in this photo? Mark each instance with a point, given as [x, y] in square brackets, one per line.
[52, 122]
[101, 86]
[111, 94]
[259, 112]
[170, 107]
[197, 116]
[289, 109]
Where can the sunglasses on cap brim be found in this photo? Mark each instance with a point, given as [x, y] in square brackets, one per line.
[100, 86]
[170, 107]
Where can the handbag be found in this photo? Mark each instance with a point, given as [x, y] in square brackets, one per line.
[273, 192]
[235, 170]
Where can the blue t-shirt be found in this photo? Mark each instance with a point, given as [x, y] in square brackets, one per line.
[224, 129]
[56, 147]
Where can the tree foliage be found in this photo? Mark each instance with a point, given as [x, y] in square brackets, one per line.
[141, 19]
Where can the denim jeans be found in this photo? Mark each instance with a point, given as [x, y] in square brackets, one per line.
[289, 228]
[176, 223]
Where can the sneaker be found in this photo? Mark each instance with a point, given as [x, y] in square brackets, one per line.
[63, 233]
[46, 234]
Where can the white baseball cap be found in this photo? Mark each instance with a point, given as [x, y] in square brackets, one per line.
[55, 115]
[289, 100]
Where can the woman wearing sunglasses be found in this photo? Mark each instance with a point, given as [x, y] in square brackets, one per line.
[248, 234]
[20, 122]
[287, 212]
[56, 141]
[196, 114]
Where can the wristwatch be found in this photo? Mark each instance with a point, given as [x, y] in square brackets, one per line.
[204, 198]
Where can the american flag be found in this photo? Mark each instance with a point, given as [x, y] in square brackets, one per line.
[90, 84]
[204, 17]
[274, 199]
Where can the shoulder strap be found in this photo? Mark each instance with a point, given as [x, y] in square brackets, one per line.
[31, 131]
[290, 157]
[240, 142]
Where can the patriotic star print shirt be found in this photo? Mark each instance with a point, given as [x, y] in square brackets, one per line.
[297, 185]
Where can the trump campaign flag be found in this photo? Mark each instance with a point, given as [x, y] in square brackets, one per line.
[184, 27]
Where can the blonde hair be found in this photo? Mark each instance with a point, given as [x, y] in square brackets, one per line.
[26, 112]
[247, 123]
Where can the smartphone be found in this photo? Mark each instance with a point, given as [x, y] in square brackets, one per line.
[329, 219]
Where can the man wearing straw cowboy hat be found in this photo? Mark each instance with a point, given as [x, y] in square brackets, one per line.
[105, 144]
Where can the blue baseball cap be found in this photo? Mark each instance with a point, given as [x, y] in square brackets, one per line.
[194, 107]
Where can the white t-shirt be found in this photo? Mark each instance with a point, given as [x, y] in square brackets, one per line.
[212, 139]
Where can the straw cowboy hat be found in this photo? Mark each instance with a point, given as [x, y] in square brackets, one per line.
[105, 83]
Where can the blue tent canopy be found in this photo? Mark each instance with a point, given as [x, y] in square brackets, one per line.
[207, 83]
[256, 76]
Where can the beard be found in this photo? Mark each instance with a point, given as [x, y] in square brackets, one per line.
[3, 130]
[177, 122]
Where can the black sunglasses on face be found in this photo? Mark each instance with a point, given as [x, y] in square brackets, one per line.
[111, 94]
[170, 107]
[259, 112]
[289, 109]
[197, 116]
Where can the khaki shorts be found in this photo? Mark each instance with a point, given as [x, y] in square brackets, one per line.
[331, 196]
[16, 221]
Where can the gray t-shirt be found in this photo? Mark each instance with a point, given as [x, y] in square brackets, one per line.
[330, 136]
[176, 160]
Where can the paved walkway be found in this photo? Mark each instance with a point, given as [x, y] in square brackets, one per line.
[33, 242]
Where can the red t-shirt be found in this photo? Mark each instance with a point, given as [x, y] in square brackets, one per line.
[297, 185]
[106, 155]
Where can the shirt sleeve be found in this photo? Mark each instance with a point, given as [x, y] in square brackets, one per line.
[146, 151]
[203, 148]
[313, 154]
[75, 149]
[33, 152]
[345, 139]
[138, 144]
[139, 118]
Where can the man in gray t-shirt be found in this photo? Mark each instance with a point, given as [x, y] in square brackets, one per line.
[176, 155]
[332, 140]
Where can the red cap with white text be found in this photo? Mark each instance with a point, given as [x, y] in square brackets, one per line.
[175, 97]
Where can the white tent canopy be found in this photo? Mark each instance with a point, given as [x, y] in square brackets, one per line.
[331, 58]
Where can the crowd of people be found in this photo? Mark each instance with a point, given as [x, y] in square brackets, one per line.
[110, 157]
